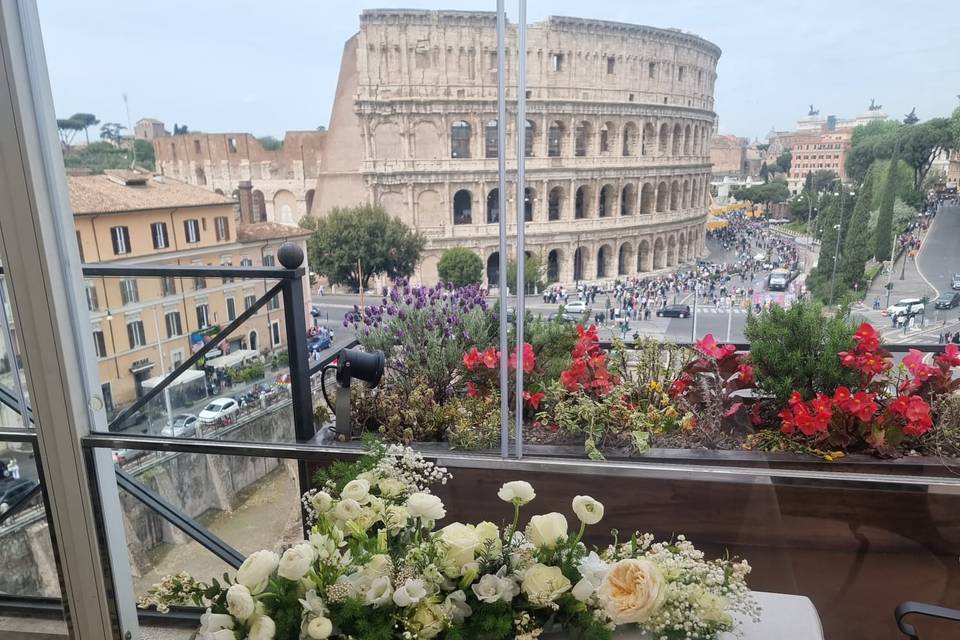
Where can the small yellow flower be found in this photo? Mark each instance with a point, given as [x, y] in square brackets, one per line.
[670, 412]
[655, 386]
[688, 422]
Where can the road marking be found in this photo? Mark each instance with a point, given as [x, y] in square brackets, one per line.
[916, 260]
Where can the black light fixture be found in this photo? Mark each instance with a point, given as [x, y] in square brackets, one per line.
[353, 363]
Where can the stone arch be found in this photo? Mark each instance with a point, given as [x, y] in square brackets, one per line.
[308, 199]
[604, 254]
[629, 147]
[605, 203]
[555, 133]
[681, 247]
[674, 195]
[554, 260]
[529, 200]
[662, 197]
[691, 244]
[493, 269]
[685, 197]
[430, 211]
[284, 206]
[252, 341]
[628, 199]
[671, 251]
[659, 254]
[529, 139]
[461, 134]
[647, 199]
[386, 141]
[608, 138]
[493, 206]
[219, 191]
[643, 256]
[463, 207]
[555, 203]
[582, 139]
[490, 139]
[581, 202]
[649, 140]
[686, 140]
[259, 206]
[664, 139]
[677, 140]
[578, 264]
[624, 259]
[696, 139]
[426, 141]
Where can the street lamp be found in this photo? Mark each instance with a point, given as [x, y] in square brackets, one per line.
[836, 251]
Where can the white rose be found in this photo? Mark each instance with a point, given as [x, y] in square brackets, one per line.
[319, 628]
[358, 490]
[460, 542]
[223, 634]
[347, 510]
[518, 492]
[391, 487]
[425, 506]
[256, 570]
[321, 501]
[543, 584]
[593, 568]
[583, 590]
[492, 588]
[395, 517]
[295, 561]
[489, 535]
[547, 530]
[378, 565]
[213, 622]
[456, 607]
[380, 592]
[376, 504]
[262, 628]
[240, 603]
[589, 511]
[632, 591]
[411, 592]
[369, 476]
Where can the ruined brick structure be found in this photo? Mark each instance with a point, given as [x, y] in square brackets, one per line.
[282, 180]
[619, 124]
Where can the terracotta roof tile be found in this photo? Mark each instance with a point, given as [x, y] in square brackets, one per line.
[107, 193]
[260, 231]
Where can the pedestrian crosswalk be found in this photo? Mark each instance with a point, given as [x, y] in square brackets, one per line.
[722, 310]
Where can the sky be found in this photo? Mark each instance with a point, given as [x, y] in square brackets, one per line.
[266, 67]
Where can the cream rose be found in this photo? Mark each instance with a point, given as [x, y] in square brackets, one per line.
[547, 530]
[240, 603]
[489, 535]
[262, 628]
[295, 561]
[518, 492]
[256, 570]
[321, 501]
[391, 487]
[588, 510]
[347, 510]
[429, 619]
[632, 591]
[319, 628]
[395, 517]
[461, 543]
[213, 622]
[543, 584]
[425, 506]
[358, 490]
[378, 565]
[491, 588]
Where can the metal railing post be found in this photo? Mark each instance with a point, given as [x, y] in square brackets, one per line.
[291, 256]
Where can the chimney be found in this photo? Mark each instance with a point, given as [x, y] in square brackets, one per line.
[245, 197]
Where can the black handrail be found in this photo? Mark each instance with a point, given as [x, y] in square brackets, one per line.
[20, 504]
[921, 609]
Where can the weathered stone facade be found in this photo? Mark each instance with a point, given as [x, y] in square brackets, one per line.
[619, 123]
[282, 179]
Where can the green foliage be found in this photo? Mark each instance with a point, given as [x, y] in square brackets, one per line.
[475, 422]
[364, 238]
[97, 157]
[401, 413]
[783, 162]
[112, 132]
[533, 274]
[490, 621]
[552, 342]
[773, 191]
[460, 266]
[68, 128]
[145, 154]
[874, 129]
[340, 472]
[922, 143]
[250, 373]
[357, 620]
[269, 143]
[829, 218]
[883, 236]
[857, 246]
[869, 143]
[796, 349]
[823, 180]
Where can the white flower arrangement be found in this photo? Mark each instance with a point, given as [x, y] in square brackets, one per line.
[376, 567]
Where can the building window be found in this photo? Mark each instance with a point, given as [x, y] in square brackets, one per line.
[249, 300]
[232, 145]
[462, 201]
[245, 261]
[135, 334]
[199, 282]
[99, 344]
[611, 62]
[128, 291]
[121, 240]
[203, 315]
[158, 231]
[222, 227]
[556, 61]
[91, 290]
[80, 247]
[231, 310]
[191, 229]
[196, 146]
[174, 328]
[168, 286]
[490, 139]
[460, 139]
[680, 71]
[227, 261]
[275, 333]
[652, 70]
[274, 303]
[269, 260]
[554, 140]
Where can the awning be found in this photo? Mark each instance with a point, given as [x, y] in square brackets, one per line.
[718, 224]
[233, 358]
[187, 376]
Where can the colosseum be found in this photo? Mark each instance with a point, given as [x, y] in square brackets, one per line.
[618, 131]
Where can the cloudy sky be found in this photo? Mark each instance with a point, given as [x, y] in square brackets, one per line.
[266, 67]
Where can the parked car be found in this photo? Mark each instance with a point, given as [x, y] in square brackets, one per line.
[315, 310]
[947, 300]
[184, 426]
[564, 317]
[218, 409]
[577, 307]
[907, 306]
[123, 456]
[12, 490]
[955, 284]
[318, 343]
[674, 311]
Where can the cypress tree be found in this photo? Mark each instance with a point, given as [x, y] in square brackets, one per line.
[883, 238]
[856, 245]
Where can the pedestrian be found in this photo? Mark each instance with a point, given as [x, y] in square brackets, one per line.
[13, 469]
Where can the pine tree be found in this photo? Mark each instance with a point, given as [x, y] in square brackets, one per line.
[856, 245]
[883, 237]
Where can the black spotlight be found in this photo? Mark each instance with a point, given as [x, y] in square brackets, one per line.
[353, 363]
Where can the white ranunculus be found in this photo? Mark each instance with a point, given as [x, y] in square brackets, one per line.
[380, 592]
[395, 517]
[543, 584]
[425, 506]
[256, 570]
[589, 511]
[491, 588]
[319, 628]
[369, 476]
[456, 607]
[429, 619]
[489, 535]
[460, 544]
[593, 568]
[347, 510]
[222, 634]
[358, 490]
[321, 501]
[213, 622]
[391, 487]
[547, 530]
[518, 492]
[262, 628]
[295, 561]
[583, 590]
[240, 603]
[378, 565]
[411, 592]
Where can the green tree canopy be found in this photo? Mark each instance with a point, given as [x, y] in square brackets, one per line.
[533, 274]
[922, 143]
[857, 247]
[883, 237]
[68, 128]
[460, 266]
[363, 239]
[112, 132]
[773, 191]
[269, 143]
[783, 162]
[87, 120]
